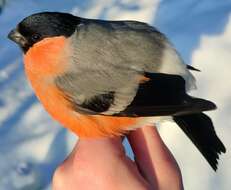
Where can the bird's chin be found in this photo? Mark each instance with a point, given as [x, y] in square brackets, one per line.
[25, 48]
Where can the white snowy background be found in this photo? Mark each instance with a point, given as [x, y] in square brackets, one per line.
[32, 144]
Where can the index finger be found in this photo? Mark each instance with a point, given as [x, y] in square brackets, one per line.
[155, 161]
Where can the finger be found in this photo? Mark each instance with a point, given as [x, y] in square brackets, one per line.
[153, 158]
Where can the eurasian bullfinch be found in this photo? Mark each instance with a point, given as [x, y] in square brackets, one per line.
[103, 78]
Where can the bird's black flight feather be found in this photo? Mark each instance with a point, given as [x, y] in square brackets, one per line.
[199, 128]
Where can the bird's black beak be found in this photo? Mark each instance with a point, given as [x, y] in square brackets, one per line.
[15, 36]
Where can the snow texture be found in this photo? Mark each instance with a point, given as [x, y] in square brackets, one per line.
[32, 144]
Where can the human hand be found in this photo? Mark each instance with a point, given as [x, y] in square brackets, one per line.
[98, 164]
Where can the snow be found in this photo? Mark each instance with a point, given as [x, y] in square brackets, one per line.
[32, 144]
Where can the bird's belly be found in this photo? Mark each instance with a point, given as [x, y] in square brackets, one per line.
[81, 124]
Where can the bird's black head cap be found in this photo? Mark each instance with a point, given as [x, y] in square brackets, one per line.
[42, 25]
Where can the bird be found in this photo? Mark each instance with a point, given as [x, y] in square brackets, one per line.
[103, 78]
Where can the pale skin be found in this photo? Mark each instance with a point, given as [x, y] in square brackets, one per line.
[101, 164]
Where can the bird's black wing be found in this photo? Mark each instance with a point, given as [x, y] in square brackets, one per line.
[164, 94]
[159, 95]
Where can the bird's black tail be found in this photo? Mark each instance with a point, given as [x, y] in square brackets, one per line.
[199, 128]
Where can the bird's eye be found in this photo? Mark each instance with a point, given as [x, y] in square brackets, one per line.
[35, 37]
